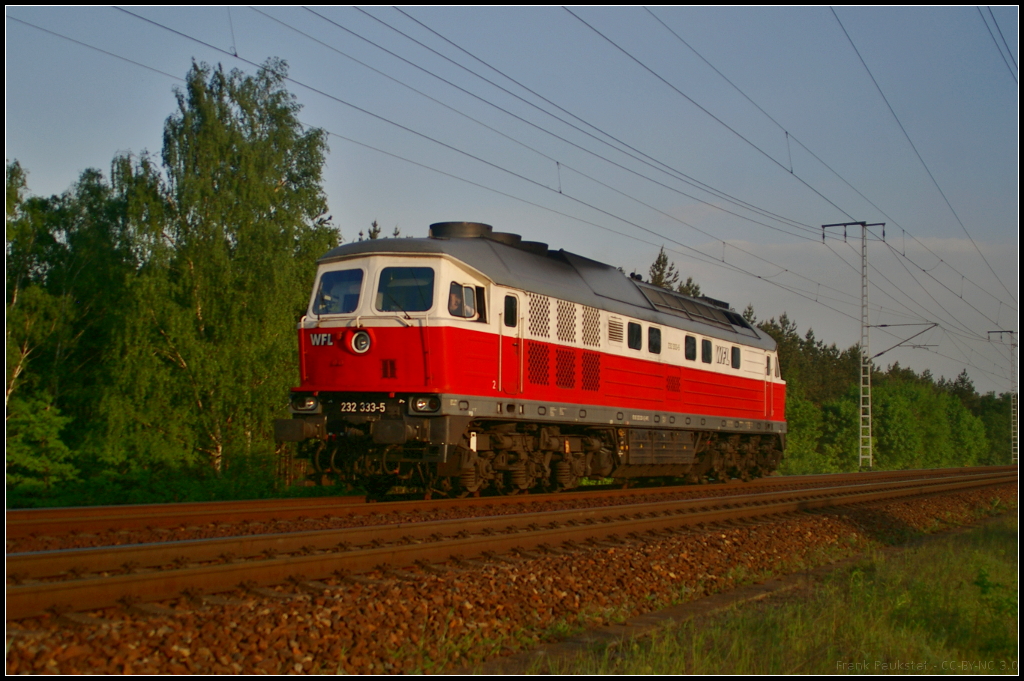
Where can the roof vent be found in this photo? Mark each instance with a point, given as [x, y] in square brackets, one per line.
[459, 230]
[506, 238]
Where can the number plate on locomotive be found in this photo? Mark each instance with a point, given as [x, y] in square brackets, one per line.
[362, 407]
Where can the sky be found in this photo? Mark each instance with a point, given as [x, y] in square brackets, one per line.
[727, 136]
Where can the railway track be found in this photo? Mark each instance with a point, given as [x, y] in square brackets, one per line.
[86, 579]
[110, 519]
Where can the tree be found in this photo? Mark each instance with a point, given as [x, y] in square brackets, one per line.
[36, 455]
[690, 288]
[373, 233]
[210, 350]
[662, 272]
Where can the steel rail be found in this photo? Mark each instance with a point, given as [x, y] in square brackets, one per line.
[54, 563]
[28, 600]
[67, 520]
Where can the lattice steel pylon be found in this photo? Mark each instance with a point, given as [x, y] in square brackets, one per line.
[867, 459]
[866, 452]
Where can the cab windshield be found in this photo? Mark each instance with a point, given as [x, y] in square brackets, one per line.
[405, 289]
[338, 292]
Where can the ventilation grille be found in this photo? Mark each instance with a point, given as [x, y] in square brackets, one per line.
[592, 327]
[537, 361]
[672, 384]
[614, 330]
[540, 315]
[565, 368]
[591, 371]
[566, 321]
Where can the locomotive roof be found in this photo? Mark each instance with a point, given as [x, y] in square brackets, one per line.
[567, 276]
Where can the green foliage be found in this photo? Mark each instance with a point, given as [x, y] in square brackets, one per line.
[917, 421]
[690, 288]
[36, 457]
[209, 352]
[840, 441]
[155, 312]
[996, 415]
[803, 454]
[818, 372]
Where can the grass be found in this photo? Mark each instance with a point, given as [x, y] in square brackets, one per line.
[946, 606]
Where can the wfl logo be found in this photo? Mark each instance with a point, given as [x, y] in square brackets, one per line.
[321, 339]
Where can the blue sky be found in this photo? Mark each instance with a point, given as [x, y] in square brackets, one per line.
[599, 130]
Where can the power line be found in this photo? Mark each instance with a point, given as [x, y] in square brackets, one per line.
[97, 49]
[497, 167]
[530, 123]
[989, 29]
[916, 153]
[705, 257]
[651, 161]
[706, 111]
[790, 136]
[713, 116]
[603, 36]
[583, 174]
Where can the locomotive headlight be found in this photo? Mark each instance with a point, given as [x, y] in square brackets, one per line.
[305, 403]
[360, 342]
[425, 404]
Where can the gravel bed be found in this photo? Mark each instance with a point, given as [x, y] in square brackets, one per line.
[427, 621]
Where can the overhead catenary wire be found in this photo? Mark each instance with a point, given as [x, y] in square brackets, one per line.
[709, 259]
[559, 163]
[463, 50]
[700, 255]
[989, 29]
[469, 54]
[653, 244]
[653, 162]
[918, 154]
[713, 116]
[791, 136]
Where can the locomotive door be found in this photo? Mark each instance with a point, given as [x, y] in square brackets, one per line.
[510, 348]
[769, 392]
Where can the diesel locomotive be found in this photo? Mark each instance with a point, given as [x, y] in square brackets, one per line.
[472, 360]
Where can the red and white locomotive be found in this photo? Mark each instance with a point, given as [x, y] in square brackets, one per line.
[472, 360]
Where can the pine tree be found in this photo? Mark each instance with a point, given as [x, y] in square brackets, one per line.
[690, 288]
[662, 272]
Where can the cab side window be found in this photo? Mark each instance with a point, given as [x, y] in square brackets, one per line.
[462, 301]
